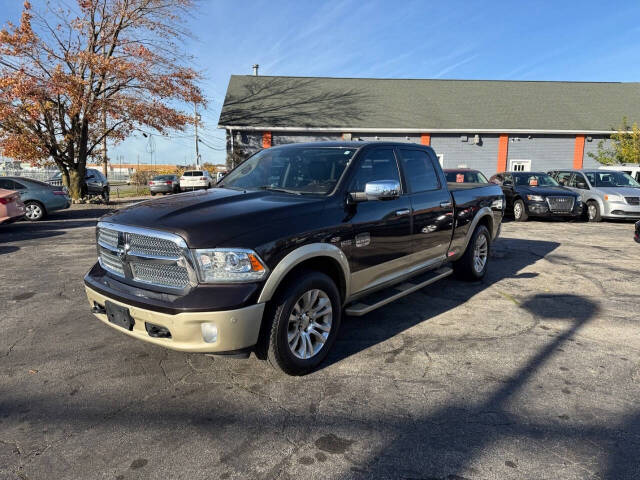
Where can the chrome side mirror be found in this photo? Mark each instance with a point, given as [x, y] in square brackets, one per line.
[378, 190]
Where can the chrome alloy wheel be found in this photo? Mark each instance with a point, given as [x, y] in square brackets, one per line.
[517, 210]
[480, 253]
[33, 211]
[309, 324]
[592, 211]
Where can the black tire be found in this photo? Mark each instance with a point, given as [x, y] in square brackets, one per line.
[35, 211]
[153, 194]
[520, 211]
[593, 211]
[277, 325]
[465, 268]
[105, 196]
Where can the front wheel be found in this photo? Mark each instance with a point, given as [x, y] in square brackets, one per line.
[520, 211]
[304, 320]
[593, 212]
[473, 263]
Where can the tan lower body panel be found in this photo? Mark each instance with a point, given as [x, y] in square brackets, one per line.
[237, 329]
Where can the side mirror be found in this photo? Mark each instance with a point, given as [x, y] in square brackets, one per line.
[581, 185]
[378, 190]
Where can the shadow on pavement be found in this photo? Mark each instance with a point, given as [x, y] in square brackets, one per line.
[359, 333]
[54, 225]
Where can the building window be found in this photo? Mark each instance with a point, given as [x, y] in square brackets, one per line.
[520, 165]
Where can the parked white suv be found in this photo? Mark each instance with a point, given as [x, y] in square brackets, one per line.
[192, 179]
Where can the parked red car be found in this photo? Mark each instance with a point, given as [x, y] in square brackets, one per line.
[11, 207]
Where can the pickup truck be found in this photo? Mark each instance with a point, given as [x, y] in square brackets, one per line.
[290, 240]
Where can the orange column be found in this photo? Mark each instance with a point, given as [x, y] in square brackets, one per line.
[578, 152]
[503, 149]
[425, 139]
[266, 139]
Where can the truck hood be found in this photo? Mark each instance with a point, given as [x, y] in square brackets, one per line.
[207, 219]
[549, 191]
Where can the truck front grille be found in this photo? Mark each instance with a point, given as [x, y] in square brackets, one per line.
[633, 200]
[151, 258]
[560, 204]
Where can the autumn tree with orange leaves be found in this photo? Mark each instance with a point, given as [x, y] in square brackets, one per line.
[64, 72]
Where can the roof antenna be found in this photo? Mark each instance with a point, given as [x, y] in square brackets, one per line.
[255, 69]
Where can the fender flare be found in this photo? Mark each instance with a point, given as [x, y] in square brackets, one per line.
[483, 212]
[299, 255]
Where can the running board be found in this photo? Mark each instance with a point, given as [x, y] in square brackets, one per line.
[388, 295]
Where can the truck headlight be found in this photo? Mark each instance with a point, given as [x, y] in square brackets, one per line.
[535, 198]
[229, 265]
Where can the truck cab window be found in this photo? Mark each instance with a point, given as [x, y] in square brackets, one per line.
[419, 170]
[377, 164]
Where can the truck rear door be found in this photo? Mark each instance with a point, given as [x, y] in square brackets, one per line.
[431, 201]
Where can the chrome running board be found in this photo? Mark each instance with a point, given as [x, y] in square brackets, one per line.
[388, 295]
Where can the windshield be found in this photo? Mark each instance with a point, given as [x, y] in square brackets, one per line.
[163, 177]
[193, 173]
[611, 179]
[534, 180]
[313, 170]
[465, 176]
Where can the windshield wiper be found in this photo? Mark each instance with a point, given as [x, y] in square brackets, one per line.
[276, 189]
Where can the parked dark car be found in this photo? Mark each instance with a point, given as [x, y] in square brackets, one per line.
[536, 194]
[97, 183]
[164, 184]
[295, 234]
[39, 198]
[464, 175]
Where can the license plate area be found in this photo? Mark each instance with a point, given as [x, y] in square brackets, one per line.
[119, 316]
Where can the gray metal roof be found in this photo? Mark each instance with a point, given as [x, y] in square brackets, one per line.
[358, 104]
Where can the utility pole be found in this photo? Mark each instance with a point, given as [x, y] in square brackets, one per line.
[104, 120]
[196, 120]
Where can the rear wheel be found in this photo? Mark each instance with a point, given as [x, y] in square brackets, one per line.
[303, 323]
[593, 212]
[105, 196]
[520, 211]
[473, 263]
[34, 211]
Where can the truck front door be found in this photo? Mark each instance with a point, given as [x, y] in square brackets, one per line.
[431, 202]
[381, 241]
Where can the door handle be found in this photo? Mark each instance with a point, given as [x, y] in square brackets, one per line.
[445, 204]
[404, 211]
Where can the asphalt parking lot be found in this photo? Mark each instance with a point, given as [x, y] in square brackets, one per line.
[533, 373]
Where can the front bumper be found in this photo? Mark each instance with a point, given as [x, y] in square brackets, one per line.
[621, 210]
[237, 329]
[541, 209]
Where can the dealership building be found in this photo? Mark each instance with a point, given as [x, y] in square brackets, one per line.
[486, 125]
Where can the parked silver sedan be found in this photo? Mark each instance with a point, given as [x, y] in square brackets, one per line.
[164, 184]
[605, 193]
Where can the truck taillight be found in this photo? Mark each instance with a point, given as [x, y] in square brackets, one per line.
[6, 201]
[169, 182]
[150, 183]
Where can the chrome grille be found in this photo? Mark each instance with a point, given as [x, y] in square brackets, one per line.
[111, 262]
[633, 200]
[170, 275]
[560, 204]
[147, 257]
[108, 237]
[146, 245]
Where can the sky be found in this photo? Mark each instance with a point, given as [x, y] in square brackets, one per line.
[489, 40]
